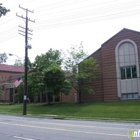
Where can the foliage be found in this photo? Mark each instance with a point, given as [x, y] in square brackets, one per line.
[3, 58]
[18, 63]
[80, 69]
[3, 10]
[55, 80]
[20, 92]
[87, 68]
[46, 75]
[32, 90]
[74, 56]
[43, 61]
[67, 87]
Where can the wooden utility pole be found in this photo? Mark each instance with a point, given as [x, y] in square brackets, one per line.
[26, 32]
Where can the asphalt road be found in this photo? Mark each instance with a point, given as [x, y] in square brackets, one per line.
[26, 128]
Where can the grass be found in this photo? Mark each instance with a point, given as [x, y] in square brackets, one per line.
[123, 110]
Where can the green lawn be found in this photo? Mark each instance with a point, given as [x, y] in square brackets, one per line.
[124, 110]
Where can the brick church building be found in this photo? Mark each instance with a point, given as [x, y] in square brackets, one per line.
[118, 76]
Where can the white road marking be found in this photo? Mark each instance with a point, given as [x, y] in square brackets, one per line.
[23, 138]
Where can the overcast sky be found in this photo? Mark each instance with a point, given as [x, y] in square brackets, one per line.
[62, 23]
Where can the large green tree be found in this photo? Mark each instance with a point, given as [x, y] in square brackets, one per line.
[46, 73]
[80, 69]
[55, 81]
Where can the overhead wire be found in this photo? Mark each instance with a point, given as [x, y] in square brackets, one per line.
[83, 7]
[84, 16]
[9, 14]
[57, 4]
[89, 12]
[85, 21]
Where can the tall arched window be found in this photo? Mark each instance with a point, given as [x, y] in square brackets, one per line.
[127, 67]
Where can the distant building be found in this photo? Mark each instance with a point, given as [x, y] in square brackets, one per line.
[8, 75]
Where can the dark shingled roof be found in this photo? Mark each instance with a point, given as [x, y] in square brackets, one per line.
[11, 68]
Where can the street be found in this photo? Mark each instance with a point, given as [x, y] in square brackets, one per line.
[27, 128]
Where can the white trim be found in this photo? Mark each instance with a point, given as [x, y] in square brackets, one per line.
[118, 68]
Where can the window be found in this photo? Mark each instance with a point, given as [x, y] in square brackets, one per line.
[128, 72]
[122, 73]
[130, 96]
[134, 72]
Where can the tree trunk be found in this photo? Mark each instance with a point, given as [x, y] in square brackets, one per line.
[80, 91]
[49, 102]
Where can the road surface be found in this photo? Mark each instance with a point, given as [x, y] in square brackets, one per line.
[27, 128]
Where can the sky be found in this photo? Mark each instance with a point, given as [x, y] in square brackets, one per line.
[62, 23]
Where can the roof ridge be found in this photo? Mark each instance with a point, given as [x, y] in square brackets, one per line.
[11, 68]
[118, 33]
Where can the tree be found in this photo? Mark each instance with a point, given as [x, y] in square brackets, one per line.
[3, 58]
[79, 69]
[3, 10]
[20, 92]
[47, 75]
[18, 63]
[54, 80]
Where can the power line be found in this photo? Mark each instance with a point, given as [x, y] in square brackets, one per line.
[118, 5]
[85, 21]
[83, 17]
[82, 14]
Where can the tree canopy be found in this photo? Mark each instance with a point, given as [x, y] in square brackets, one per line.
[46, 75]
[3, 58]
[51, 76]
[80, 69]
[18, 62]
[3, 10]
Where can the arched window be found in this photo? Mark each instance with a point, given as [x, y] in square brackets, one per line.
[127, 67]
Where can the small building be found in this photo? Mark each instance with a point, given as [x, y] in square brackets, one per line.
[8, 75]
[118, 76]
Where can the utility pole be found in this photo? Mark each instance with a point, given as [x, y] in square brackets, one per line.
[26, 32]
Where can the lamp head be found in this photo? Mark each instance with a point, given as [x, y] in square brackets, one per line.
[10, 54]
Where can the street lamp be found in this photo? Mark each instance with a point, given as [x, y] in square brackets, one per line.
[14, 55]
[19, 61]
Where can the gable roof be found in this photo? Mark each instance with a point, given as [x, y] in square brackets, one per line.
[118, 33]
[11, 68]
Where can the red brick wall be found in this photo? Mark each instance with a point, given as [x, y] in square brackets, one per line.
[71, 97]
[109, 62]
